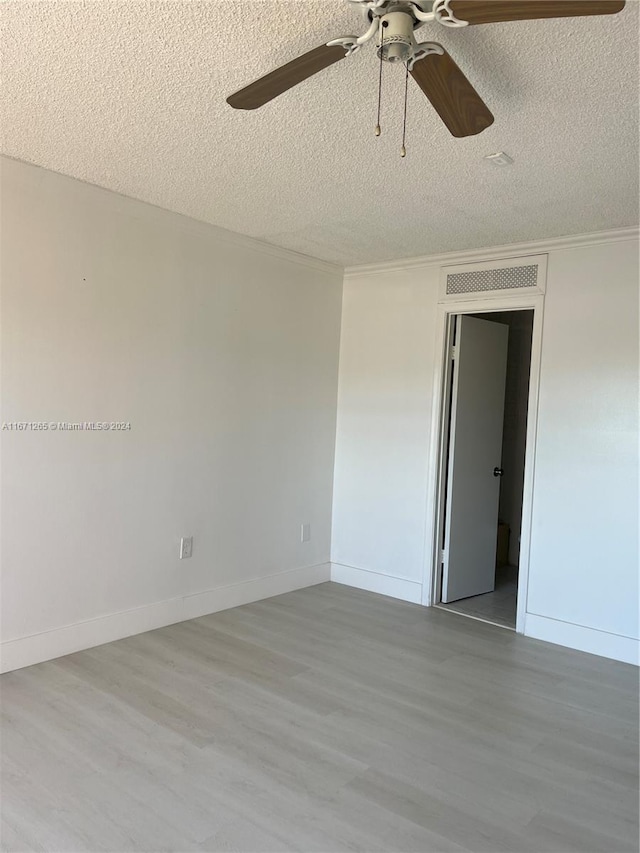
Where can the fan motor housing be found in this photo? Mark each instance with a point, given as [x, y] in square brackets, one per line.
[397, 42]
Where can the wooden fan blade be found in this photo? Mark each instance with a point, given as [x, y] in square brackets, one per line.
[453, 97]
[276, 82]
[495, 11]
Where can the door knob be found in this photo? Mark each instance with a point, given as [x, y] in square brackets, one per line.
[498, 472]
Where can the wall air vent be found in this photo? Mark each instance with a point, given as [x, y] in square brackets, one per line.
[493, 277]
[504, 279]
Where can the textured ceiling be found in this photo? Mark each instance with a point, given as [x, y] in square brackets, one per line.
[131, 96]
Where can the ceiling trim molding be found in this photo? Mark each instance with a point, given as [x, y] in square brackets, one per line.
[535, 247]
[44, 178]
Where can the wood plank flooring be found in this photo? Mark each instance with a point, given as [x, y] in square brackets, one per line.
[327, 719]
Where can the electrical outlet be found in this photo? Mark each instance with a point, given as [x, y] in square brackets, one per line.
[305, 532]
[186, 547]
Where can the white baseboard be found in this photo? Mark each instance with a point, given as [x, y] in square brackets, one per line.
[25, 651]
[374, 582]
[225, 597]
[590, 640]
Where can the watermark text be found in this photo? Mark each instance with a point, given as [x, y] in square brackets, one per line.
[66, 426]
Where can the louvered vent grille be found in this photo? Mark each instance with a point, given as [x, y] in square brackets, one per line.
[506, 278]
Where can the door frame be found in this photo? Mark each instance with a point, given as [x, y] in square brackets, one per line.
[438, 443]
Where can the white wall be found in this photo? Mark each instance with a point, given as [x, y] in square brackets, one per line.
[384, 412]
[583, 588]
[222, 354]
[584, 550]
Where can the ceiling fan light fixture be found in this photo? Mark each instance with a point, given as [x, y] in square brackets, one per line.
[397, 42]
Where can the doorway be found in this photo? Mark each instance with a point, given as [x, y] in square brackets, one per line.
[484, 441]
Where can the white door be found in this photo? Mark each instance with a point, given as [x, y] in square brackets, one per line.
[475, 450]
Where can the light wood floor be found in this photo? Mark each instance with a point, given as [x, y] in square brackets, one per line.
[328, 719]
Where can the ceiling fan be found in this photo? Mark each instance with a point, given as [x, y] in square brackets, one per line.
[393, 23]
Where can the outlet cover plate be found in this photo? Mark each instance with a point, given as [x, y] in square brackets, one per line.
[186, 547]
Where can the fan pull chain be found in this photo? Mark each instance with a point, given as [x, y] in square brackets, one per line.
[403, 150]
[378, 128]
